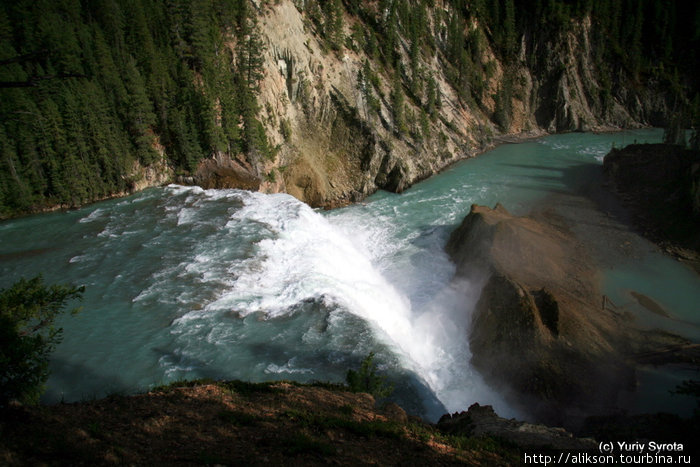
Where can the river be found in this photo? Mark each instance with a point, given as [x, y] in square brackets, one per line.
[186, 283]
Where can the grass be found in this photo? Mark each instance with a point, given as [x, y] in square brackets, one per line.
[238, 418]
[466, 443]
[277, 420]
[367, 429]
[305, 444]
[94, 429]
[245, 388]
[181, 383]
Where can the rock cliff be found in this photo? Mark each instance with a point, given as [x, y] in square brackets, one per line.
[333, 117]
[326, 100]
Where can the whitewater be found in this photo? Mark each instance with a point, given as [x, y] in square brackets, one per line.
[185, 283]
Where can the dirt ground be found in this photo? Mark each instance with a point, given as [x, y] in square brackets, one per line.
[235, 424]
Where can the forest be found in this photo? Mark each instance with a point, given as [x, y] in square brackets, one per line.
[91, 89]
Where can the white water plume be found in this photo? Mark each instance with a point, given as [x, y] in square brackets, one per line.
[303, 257]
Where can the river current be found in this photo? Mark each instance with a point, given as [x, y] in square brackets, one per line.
[185, 283]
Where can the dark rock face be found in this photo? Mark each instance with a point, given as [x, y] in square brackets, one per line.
[661, 184]
[538, 328]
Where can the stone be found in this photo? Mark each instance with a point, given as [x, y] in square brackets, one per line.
[481, 420]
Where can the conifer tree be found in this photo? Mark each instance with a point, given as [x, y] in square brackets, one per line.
[397, 104]
[140, 117]
[333, 24]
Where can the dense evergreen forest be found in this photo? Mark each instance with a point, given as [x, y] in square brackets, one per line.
[90, 88]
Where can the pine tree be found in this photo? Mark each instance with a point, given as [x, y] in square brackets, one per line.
[140, 117]
[333, 24]
[431, 97]
[509, 33]
[250, 72]
[397, 104]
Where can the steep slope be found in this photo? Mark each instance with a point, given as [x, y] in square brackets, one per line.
[328, 101]
[661, 185]
[235, 423]
[348, 123]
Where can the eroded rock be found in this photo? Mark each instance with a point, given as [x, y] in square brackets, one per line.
[538, 329]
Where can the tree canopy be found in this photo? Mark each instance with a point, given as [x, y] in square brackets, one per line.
[28, 310]
[87, 89]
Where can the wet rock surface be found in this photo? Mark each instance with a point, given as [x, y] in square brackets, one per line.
[542, 332]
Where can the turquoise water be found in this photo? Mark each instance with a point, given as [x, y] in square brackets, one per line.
[189, 283]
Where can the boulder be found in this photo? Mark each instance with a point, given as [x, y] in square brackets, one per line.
[221, 171]
[538, 330]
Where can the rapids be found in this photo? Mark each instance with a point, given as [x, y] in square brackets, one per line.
[187, 283]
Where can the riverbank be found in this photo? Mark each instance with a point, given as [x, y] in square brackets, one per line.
[285, 423]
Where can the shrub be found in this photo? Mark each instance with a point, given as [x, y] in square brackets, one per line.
[367, 380]
[286, 129]
[27, 336]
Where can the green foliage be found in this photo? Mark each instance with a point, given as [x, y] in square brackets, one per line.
[28, 310]
[674, 132]
[181, 383]
[397, 105]
[246, 388]
[424, 125]
[238, 418]
[367, 82]
[326, 16]
[366, 428]
[333, 25]
[286, 129]
[88, 89]
[503, 100]
[367, 380]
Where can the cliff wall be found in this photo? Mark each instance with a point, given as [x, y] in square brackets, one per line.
[337, 142]
[326, 100]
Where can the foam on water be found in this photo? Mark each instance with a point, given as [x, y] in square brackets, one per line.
[188, 283]
[343, 264]
[305, 258]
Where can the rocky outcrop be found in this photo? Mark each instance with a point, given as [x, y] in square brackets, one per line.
[661, 184]
[482, 421]
[539, 331]
[156, 174]
[221, 171]
[335, 147]
[569, 95]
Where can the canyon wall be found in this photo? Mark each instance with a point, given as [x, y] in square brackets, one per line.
[337, 145]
